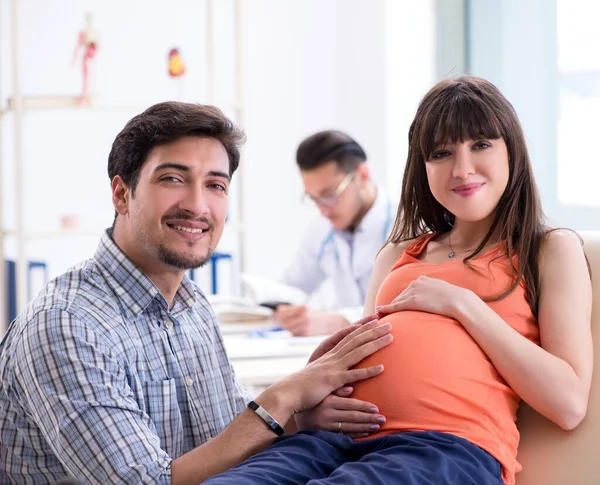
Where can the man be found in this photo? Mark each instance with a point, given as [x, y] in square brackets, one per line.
[341, 245]
[116, 373]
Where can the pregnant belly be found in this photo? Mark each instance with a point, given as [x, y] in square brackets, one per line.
[434, 375]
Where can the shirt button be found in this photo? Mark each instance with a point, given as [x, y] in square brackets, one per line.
[168, 324]
[189, 381]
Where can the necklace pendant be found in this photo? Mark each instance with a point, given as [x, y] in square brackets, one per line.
[451, 254]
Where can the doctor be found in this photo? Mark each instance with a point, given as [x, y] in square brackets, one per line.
[341, 244]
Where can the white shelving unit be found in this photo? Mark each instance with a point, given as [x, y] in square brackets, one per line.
[18, 105]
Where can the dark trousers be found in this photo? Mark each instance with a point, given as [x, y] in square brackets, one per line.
[317, 457]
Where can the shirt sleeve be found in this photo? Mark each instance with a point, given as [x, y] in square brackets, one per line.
[305, 271]
[78, 395]
[242, 396]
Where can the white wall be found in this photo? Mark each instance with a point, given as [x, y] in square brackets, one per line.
[520, 56]
[289, 91]
[65, 152]
[354, 65]
[411, 67]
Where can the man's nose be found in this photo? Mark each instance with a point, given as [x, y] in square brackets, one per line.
[325, 210]
[196, 201]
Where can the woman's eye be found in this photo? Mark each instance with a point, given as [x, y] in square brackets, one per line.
[481, 145]
[440, 154]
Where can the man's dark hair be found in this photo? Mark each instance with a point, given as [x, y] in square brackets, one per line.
[163, 123]
[327, 146]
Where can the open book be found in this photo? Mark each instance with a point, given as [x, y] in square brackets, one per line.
[264, 291]
[230, 309]
[257, 303]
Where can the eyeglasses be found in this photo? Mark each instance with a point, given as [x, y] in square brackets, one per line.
[332, 199]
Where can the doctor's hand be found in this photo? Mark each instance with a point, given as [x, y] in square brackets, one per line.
[302, 321]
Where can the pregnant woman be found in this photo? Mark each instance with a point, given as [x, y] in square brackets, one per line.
[488, 305]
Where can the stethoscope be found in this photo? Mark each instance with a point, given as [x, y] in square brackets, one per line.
[329, 240]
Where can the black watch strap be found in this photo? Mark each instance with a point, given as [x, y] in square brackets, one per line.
[266, 417]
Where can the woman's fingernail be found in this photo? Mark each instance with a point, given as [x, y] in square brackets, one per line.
[373, 410]
[347, 389]
[374, 427]
[378, 307]
[381, 419]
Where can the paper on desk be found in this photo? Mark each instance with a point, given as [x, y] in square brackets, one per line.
[256, 348]
[230, 309]
[260, 290]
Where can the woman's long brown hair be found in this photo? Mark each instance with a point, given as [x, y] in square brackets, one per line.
[470, 108]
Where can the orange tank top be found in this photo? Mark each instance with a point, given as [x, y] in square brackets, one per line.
[436, 376]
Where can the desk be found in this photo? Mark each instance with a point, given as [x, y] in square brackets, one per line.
[258, 374]
[259, 362]
[238, 328]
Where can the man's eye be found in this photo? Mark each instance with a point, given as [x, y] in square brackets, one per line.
[219, 187]
[171, 179]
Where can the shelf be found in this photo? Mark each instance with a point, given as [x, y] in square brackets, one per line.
[57, 233]
[47, 103]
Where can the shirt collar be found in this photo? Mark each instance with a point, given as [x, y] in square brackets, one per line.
[186, 296]
[135, 289]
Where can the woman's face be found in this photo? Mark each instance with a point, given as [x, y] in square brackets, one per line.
[468, 178]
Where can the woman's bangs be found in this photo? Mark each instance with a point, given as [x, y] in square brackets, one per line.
[457, 119]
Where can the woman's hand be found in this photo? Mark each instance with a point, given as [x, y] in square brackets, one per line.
[340, 413]
[430, 295]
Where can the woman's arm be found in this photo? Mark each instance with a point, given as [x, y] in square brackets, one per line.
[553, 379]
[384, 262]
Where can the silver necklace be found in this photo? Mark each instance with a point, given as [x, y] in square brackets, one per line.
[453, 253]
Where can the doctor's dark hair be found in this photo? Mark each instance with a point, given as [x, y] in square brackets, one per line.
[327, 146]
[166, 122]
[472, 108]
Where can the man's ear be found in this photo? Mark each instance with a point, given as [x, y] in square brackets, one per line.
[363, 174]
[120, 195]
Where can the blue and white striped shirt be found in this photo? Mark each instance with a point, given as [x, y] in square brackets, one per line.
[101, 381]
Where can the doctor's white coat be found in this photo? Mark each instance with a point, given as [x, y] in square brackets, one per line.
[344, 258]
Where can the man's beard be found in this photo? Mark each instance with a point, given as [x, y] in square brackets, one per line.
[358, 216]
[181, 261]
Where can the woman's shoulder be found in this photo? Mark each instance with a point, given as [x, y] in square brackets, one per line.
[397, 247]
[392, 251]
[561, 248]
[561, 234]
[559, 242]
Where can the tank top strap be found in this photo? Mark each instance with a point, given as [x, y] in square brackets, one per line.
[416, 247]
